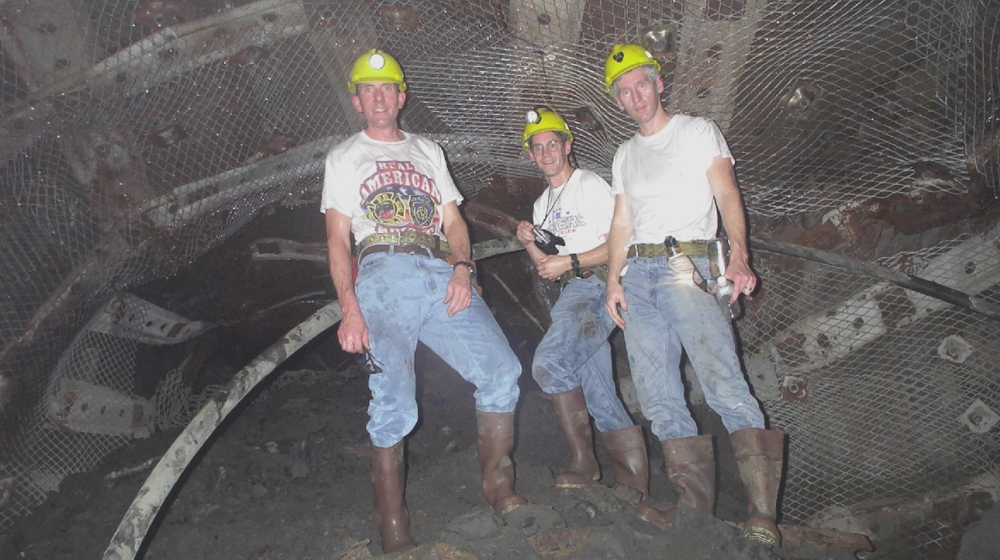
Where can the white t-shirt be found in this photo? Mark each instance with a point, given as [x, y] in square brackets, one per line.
[664, 177]
[579, 211]
[388, 186]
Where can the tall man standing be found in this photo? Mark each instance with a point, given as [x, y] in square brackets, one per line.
[393, 191]
[672, 179]
[573, 361]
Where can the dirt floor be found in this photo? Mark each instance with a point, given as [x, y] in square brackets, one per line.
[287, 477]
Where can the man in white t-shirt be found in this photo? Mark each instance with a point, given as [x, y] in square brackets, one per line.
[393, 191]
[671, 180]
[573, 361]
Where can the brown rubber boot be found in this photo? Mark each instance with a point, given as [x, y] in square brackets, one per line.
[575, 421]
[631, 464]
[760, 456]
[628, 457]
[495, 439]
[391, 516]
[691, 468]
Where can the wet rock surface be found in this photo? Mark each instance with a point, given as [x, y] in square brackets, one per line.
[287, 477]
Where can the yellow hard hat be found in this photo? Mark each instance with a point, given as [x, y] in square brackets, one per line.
[625, 57]
[542, 120]
[376, 65]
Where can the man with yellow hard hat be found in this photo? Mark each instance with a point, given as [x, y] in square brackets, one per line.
[393, 191]
[671, 181]
[573, 361]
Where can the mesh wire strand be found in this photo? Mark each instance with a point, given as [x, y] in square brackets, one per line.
[166, 153]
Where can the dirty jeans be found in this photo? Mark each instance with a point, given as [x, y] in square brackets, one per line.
[401, 298]
[575, 352]
[667, 310]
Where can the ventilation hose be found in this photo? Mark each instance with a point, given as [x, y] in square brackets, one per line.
[148, 501]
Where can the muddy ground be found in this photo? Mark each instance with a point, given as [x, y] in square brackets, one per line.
[287, 477]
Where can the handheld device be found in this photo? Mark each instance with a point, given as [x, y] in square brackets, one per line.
[718, 260]
[547, 241]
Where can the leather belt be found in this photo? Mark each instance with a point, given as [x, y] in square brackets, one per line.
[402, 249]
[601, 272]
[697, 248]
[405, 238]
[407, 243]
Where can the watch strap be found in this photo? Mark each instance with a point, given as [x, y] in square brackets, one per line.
[467, 264]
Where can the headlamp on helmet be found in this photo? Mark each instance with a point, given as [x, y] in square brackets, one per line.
[625, 57]
[542, 120]
[376, 66]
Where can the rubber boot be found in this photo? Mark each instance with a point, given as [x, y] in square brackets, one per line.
[575, 421]
[495, 439]
[691, 468]
[391, 516]
[760, 456]
[631, 464]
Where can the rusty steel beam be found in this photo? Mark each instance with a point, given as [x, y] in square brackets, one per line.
[45, 39]
[897, 300]
[891, 519]
[161, 57]
[712, 52]
[798, 535]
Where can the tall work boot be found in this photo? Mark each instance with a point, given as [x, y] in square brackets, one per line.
[391, 517]
[760, 456]
[631, 464]
[575, 421]
[495, 439]
[691, 468]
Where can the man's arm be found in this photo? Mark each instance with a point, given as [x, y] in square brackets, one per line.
[722, 181]
[353, 331]
[621, 230]
[458, 295]
[551, 267]
[527, 238]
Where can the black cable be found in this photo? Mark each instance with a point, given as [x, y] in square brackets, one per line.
[919, 285]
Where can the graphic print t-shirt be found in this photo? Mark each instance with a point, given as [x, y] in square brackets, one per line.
[388, 186]
[580, 211]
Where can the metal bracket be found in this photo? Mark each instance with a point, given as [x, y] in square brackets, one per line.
[954, 349]
[979, 418]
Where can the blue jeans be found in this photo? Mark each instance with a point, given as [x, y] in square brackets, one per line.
[401, 299]
[575, 352]
[667, 310]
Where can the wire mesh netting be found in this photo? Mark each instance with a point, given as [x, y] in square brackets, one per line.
[884, 395]
[137, 135]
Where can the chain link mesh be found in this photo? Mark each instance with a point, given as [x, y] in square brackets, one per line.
[137, 135]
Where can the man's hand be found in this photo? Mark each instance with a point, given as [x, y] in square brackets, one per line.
[551, 267]
[524, 233]
[353, 333]
[458, 295]
[739, 273]
[615, 298]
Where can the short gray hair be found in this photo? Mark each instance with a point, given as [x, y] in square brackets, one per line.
[651, 72]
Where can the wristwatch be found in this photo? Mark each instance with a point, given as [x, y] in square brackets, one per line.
[576, 263]
[466, 264]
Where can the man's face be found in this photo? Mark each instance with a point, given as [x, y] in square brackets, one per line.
[549, 152]
[379, 102]
[638, 95]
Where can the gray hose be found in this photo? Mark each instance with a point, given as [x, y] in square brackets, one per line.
[132, 530]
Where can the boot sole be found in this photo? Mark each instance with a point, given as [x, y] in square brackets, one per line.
[595, 478]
